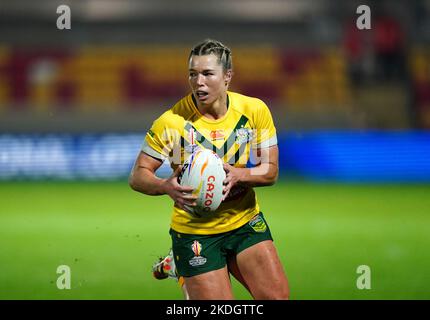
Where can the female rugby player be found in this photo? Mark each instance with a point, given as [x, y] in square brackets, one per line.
[237, 233]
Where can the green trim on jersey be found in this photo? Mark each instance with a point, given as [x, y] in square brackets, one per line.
[229, 142]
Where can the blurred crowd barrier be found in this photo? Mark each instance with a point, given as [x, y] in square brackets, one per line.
[342, 156]
[315, 83]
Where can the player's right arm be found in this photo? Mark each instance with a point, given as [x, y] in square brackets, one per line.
[143, 179]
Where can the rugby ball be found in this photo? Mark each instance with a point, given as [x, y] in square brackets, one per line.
[204, 171]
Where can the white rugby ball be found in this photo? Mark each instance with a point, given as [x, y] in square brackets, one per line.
[204, 171]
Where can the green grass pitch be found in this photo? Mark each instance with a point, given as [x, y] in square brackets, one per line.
[109, 236]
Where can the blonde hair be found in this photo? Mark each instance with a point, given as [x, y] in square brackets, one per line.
[209, 46]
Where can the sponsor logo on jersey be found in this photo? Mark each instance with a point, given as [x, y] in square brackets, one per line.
[257, 223]
[217, 134]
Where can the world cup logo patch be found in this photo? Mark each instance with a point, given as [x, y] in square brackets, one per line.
[196, 247]
[192, 138]
[197, 260]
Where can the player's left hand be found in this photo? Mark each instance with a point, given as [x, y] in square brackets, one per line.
[232, 179]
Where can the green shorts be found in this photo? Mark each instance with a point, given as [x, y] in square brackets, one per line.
[197, 254]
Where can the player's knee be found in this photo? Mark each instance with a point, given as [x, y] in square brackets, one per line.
[281, 294]
[278, 293]
[284, 294]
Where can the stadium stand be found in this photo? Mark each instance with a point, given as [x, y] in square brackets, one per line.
[117, 77]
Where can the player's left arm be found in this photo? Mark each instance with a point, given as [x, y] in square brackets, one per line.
[264, 174]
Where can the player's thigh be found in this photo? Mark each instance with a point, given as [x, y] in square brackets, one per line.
[262, 271]
[212, 285]
[234, 270]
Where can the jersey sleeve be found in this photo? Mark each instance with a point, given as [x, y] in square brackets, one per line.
[160, 139]
[264, 131]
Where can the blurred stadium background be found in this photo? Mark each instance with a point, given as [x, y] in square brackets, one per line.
[352, 109]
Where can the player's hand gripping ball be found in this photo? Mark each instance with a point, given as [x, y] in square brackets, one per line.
[204, 172]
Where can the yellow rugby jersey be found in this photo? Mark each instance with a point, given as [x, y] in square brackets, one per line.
[247, 124]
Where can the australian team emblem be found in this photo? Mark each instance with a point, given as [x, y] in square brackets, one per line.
[257, 223]
[244, 135]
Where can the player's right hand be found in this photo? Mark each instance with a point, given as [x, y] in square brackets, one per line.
[181, 195]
